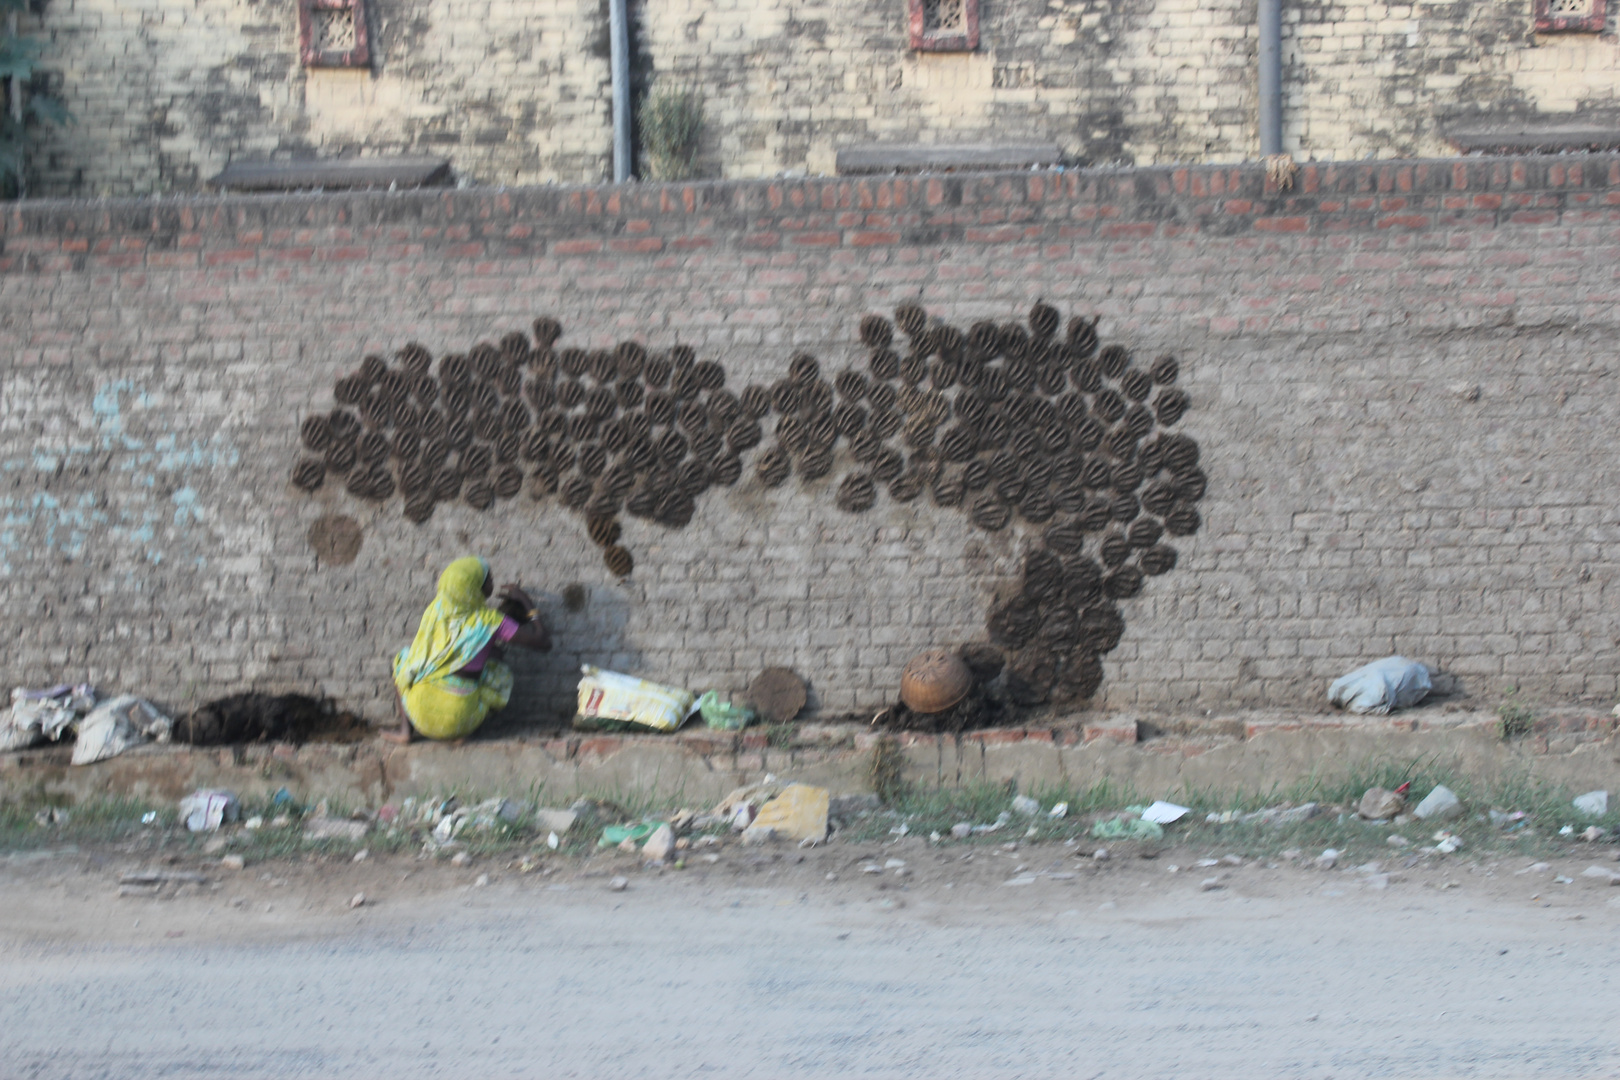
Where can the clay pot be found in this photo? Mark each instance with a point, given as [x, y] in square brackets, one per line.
[934, 681]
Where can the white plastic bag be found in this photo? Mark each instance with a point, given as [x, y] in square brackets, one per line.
[30, 722]
[1164, 813]
[116, 725]
[205, 810]
[40, 715]
[1381, 686]
[608, 695]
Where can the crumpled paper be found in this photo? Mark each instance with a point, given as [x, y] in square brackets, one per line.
[114, 726]
[38, 716]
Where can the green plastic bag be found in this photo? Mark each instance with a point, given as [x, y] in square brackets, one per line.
[618, 834]
[722, 715]
[1126, 827]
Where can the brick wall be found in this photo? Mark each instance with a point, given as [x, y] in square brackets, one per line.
[166, 92]
[1402, 381]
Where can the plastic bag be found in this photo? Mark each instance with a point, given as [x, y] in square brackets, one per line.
[1164, 813]
[40, 715]
[618, 834]
[608, 695]
[116, 725]
[1126, 827]
[722, 715]
[1381, 686]
[31, 722]
[205, 810]
[799, 813]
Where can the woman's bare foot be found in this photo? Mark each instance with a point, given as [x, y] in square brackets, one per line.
[401, 735]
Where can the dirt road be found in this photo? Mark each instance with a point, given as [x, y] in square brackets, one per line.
[757, 965]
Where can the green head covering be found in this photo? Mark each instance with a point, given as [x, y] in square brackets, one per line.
[453, 629]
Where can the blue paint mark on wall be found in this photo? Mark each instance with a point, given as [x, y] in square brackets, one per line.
[68, 523]
[185, 507]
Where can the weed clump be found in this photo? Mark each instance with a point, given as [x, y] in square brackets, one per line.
[1514, 717]
[671, 123]
[886, 772]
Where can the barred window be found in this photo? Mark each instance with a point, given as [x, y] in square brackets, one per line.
[946, 25]
[1571, 16]
[332, 33]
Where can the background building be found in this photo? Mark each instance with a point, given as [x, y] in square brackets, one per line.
[167, 92]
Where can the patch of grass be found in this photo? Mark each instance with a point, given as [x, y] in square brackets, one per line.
[637, 803]
[886, 772]
[671, 123]
[925, 811]
[1546, 806]
[99, 820]
[1424, 773]
[1514, 717]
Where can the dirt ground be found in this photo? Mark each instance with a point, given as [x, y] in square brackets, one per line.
[1016, 960]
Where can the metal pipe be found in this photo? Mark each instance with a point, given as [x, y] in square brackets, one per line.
[14, 91]
[619, 61]
[1270, 77]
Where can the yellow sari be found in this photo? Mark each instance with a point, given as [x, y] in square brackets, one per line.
[441, 702]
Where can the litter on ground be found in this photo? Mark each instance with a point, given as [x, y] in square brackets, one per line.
[1382, 686]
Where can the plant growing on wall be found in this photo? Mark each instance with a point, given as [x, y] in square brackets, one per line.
[27, 106]
[671, 123]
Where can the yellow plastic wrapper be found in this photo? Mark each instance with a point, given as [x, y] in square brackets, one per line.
[800, 813]
[611, 696]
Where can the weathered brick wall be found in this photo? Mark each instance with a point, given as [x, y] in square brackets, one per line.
[165, 93]
[1402, 381]
[516, 91]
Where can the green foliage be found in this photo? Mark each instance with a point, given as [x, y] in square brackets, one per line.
[671, 123]
[19, 60]
[26, 824]
[886, 771]
[1347, 787]
[103, 819]
[1515, 718]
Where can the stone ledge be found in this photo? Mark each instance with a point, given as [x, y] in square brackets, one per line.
[944, 157]
[1229, 192]
[1597, 135]
[698, 767]
[339, 173]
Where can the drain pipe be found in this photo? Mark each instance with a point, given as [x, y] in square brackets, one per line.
[14, 91]
[1270, 77]
[619, 61]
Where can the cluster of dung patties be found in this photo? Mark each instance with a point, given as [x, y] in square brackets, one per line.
[603, 431]
[1014, 421]
[1000, 421]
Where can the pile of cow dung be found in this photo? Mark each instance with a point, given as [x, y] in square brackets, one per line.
[292, 718]
[977, 710]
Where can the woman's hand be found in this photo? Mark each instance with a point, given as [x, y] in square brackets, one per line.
[516, 592]
[533, 636]
[515, 604]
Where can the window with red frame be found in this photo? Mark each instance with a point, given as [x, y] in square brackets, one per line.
[944, 25]
[1571, 16]
[332, 33]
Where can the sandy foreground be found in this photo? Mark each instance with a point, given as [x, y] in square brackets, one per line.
[880, 960]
